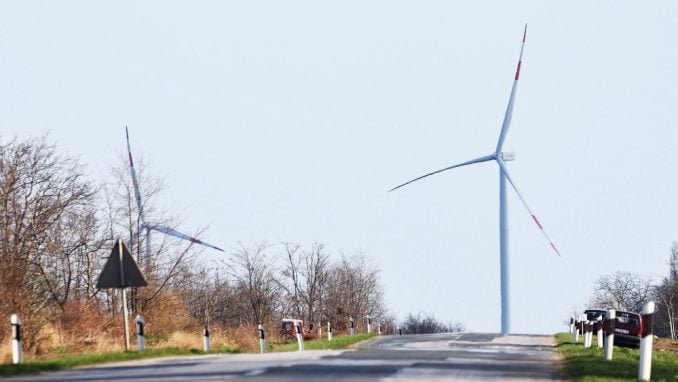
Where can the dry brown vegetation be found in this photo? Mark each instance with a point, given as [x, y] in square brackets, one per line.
[57, 228]
[666, 345]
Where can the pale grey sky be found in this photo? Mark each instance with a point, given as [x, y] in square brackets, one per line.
[290, 120]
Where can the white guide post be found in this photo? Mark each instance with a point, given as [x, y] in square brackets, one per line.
[351, 326]
[369, 324]
[329, 331]
[262, 339]
[599, 333]
[571, 324]
[576, 330]
[206, 339]
[300, 338]
[611, 318]
[645, 364]
[17, 352]
[587, 332]
[140, 332]
[379, 328]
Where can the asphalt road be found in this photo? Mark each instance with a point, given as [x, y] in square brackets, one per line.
[431, 357]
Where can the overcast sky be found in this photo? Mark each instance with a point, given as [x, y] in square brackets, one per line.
[274, 121]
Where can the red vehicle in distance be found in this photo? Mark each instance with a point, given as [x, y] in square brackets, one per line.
[288, 329]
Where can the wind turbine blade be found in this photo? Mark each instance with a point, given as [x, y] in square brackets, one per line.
[135, 183]
[183, 236]
[509, 109]
[477, 160]
[504, 170]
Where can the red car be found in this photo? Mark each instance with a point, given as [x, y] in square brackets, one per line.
[627, 330]
[288, 329]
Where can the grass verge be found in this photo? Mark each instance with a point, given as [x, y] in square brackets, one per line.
[338, 342]
[589, 365]
[67, 362]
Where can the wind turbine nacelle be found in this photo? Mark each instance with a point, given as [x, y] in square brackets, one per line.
[508, 156]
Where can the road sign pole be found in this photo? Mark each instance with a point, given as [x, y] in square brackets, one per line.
[125, 317]
[124, 295]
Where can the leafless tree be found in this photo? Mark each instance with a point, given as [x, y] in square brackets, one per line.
[315, 273]
[622, 290]
[353, 291]
[305, 277]
[169, 269]
[47, 227]
[427, 323]
[666, 293]
[254, 275]
[291, 282]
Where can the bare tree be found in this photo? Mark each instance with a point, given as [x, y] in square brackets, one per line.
[305, 279]
[254, 276]
[315, 273]
[427, 323]
[169, 270]
[622, 290]
[46, 221]
[291, 273]
[666, 294]
[353, 291]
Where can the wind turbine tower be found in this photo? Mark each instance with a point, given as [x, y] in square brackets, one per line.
[501, 158]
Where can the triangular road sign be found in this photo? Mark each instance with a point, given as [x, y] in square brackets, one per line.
[121, 270]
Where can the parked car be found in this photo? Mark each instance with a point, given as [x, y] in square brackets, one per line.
[308, 333]
[627, 330]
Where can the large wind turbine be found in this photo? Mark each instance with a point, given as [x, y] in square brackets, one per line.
[154, 227]
[501, 157]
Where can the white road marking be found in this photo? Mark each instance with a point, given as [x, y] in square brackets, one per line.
[255, 372]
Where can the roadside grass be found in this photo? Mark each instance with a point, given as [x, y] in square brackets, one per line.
[62, 360]
[589, 365]
[337, 343]
[67, 362]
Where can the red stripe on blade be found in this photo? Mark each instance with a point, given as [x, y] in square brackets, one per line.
[537, 221]
[518, 70]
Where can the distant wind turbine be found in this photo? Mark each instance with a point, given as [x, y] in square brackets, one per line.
[501, 157]
[154, 227]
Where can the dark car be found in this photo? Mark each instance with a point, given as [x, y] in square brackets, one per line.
[593, 314]
[627, 330]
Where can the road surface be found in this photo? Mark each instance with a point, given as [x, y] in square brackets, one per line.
[429, 357]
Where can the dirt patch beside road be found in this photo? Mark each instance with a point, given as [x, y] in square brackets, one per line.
[666, 345]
